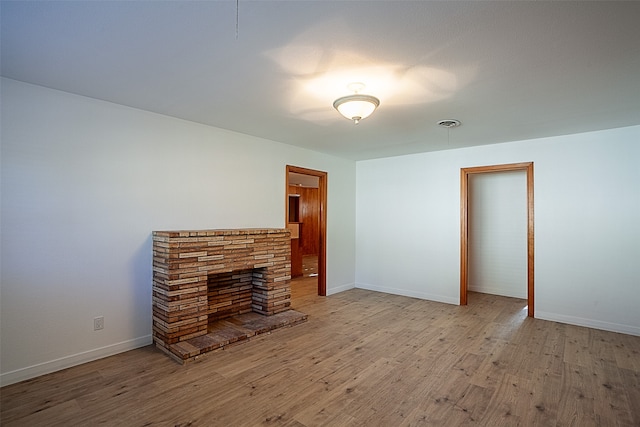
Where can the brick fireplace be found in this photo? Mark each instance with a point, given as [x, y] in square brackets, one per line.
[203, 279]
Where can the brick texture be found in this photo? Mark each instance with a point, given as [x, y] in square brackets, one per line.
[205, 275]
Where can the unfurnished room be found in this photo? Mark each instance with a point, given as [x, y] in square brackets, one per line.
[319, 213]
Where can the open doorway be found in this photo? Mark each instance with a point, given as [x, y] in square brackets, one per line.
[465, 173]
[306, 202]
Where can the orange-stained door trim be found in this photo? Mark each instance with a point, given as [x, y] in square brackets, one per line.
[322, 229]
[464, 227]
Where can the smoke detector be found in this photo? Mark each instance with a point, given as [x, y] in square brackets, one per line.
[449, 123]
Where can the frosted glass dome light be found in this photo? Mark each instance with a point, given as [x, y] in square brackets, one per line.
[357, 106]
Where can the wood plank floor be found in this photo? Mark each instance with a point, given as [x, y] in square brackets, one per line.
[362, 359]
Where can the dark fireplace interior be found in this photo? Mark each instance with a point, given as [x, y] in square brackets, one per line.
[230, 294]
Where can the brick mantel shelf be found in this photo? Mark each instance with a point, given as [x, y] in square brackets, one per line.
[184, 261]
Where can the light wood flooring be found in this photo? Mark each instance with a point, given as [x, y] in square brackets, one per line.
[362, 359]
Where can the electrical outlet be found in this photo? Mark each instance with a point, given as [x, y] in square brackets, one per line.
[98, 323]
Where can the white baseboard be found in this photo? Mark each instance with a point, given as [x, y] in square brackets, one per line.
[589, 323]
[338, 289]
[407, 293]
[72, 360]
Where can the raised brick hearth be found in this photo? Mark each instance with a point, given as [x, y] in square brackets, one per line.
[208, 286]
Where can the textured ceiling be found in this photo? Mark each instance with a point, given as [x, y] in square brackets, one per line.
[507, 70]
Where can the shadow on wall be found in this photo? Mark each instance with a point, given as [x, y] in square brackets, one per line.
[141, 268]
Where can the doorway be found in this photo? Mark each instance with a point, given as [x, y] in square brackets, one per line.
[464, 226]
[312, 235]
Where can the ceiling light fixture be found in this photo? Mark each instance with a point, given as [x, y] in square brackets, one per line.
[357, 106]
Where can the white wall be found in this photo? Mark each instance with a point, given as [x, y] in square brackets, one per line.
[587, 202]
[85, 182]
[497, 217]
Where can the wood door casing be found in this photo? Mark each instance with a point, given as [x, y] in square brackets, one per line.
[322, 219]
[464, 227]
